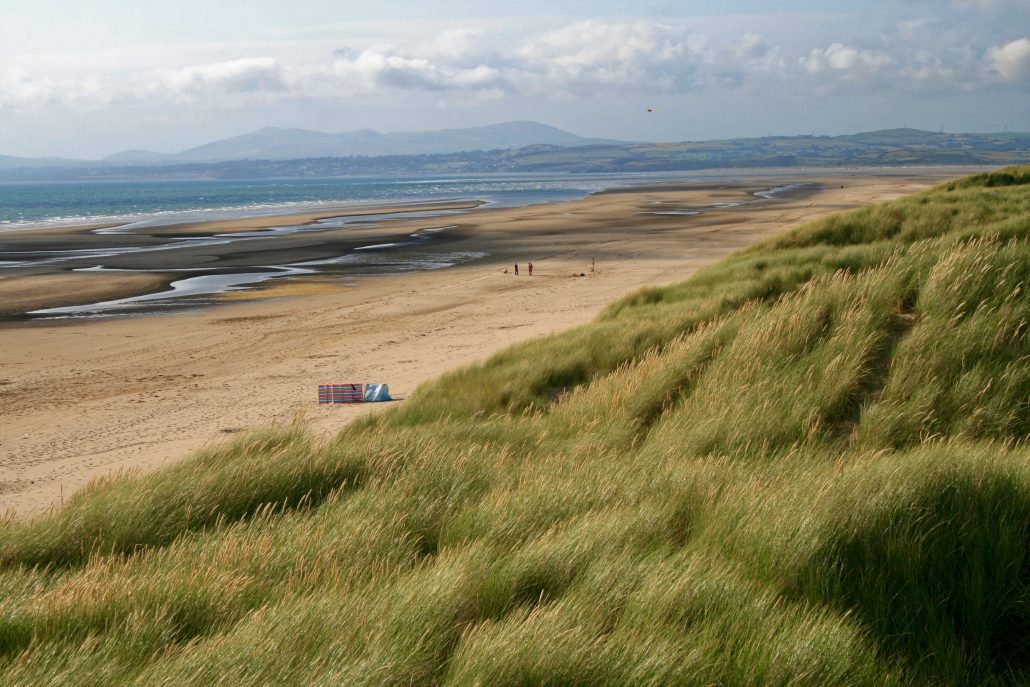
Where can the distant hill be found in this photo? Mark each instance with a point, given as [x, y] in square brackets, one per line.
[136, 156]
[497, 149]
[889, 147]
[274, 143]
[13, 162]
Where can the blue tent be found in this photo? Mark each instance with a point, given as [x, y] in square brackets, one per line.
[377, 392]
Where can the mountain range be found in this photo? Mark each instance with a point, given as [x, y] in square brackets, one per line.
[274, 143]
[517, 147]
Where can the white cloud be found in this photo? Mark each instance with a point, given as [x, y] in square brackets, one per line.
[372, 70]
[844, 60]
[758, 55]
[20, 90]
[589, 44]
[1012, 60]
[575, 59]
[751, 45]
[637, 55]
[579, 60]
[458, 44]
[243, 76]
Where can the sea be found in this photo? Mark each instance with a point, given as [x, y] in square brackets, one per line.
[49, 204]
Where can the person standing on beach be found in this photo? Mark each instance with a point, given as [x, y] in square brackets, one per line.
[516, 269]
[531, 269]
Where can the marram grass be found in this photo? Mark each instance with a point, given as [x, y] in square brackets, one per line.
[806, 465]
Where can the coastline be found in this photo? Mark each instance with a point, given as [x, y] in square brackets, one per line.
[245, 222]
[225, 226]
[68, 281]
[83, 399]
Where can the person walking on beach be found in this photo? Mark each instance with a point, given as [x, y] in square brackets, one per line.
[531, 269]
[516, 269]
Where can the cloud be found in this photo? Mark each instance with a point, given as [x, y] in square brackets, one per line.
[462, 44]
[576, 61]
[845, 61]
[245, 76]
[571, 61]
[591, 44]
[20, 90]
[219, 81]
[636, 55]
[757, 55]
[1012, 60]
[372, 70]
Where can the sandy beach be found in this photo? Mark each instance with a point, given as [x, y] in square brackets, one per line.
[86, 398]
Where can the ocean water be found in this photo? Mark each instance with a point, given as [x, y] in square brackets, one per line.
[28, 205]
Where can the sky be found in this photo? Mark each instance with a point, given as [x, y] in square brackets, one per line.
[88, 78]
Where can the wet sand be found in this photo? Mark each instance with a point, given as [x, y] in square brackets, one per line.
[300, 218]
[82, 399]
[19, 294]
[152, 257]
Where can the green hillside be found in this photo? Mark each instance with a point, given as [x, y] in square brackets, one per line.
[890, 147]
[807, 464]
[887, 148]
